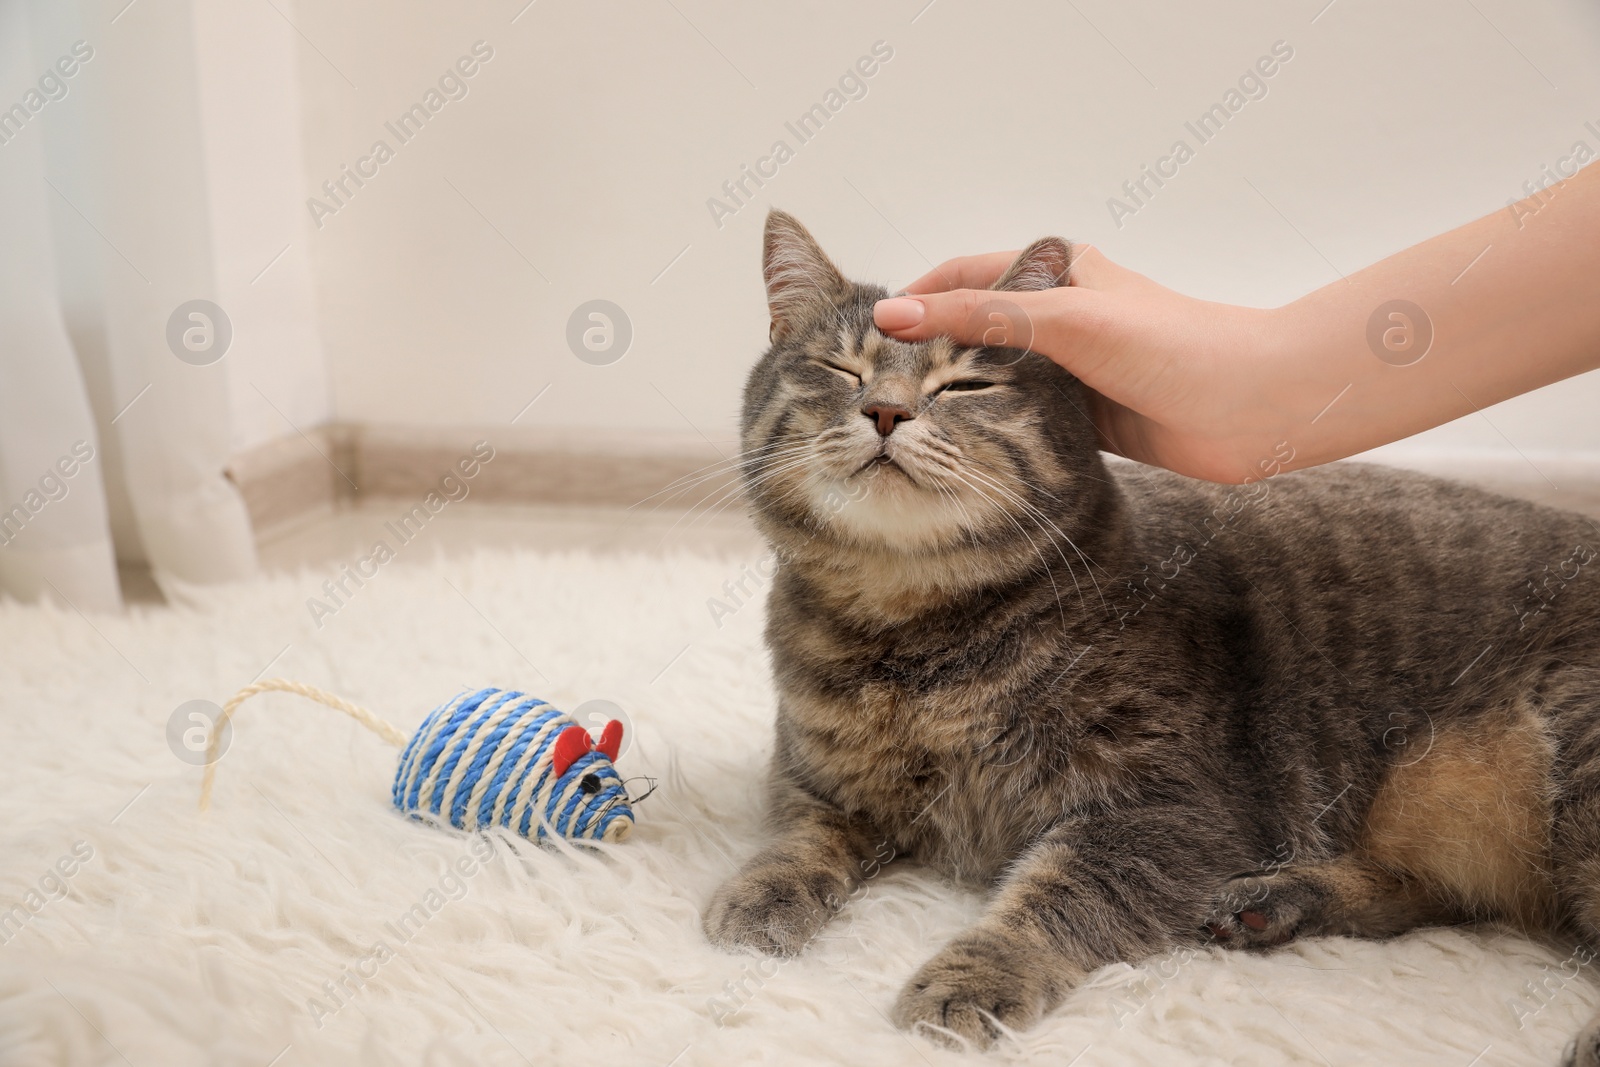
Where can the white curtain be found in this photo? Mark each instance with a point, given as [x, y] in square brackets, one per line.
[112, 441]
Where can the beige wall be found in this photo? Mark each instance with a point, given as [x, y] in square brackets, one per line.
[580, 162]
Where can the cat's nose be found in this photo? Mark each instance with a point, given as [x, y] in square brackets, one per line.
[887, 416]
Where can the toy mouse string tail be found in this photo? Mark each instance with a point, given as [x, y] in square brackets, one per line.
[283, 685]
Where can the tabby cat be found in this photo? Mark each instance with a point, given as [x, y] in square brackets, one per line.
[1146, 710]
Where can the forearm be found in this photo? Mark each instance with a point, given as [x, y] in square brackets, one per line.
[1513, 303]
[798, 822]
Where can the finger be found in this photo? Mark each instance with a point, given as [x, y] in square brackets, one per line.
[982, 318]
[964, 272]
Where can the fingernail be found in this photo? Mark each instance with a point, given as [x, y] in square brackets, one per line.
[897, 313]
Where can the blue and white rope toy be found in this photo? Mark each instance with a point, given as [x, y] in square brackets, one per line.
[489, 757]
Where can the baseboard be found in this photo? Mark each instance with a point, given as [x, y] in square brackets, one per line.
[1579, 469]
[1565, 479]
[287, 479]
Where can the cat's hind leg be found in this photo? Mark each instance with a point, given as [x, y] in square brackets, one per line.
[1350, 896]
[1460, 832]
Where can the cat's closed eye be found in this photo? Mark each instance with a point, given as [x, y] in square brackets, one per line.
[967, 385]
[849, 375]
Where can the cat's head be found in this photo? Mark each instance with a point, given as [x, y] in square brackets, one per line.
[853, 438]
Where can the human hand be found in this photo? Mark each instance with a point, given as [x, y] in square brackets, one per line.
[1173, 381]
[1506, 304]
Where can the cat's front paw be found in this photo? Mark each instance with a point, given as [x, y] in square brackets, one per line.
[774, 908]
[1260, 911]
[977, 981]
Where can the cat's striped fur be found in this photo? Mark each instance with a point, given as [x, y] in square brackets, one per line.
[1146, 710]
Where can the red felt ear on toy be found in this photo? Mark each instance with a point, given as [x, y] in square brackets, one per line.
[571, 743]
[611, 740]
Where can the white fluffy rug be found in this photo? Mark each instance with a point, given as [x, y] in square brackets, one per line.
[183, 939]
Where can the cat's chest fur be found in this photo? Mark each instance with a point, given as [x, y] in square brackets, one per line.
[928, 728]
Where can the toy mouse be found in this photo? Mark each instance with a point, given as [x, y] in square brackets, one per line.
[488, 757]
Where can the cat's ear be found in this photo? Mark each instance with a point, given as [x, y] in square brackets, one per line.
[1042, 265]
[799, 274]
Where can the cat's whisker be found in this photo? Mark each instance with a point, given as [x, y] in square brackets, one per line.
[721, 465]
[1040, 518]
[710, 484]
[1071, 571]
[1060, 608]
[733, 493]
[735, 489]
[1031, 487]
[713, 470]
[967, 527]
